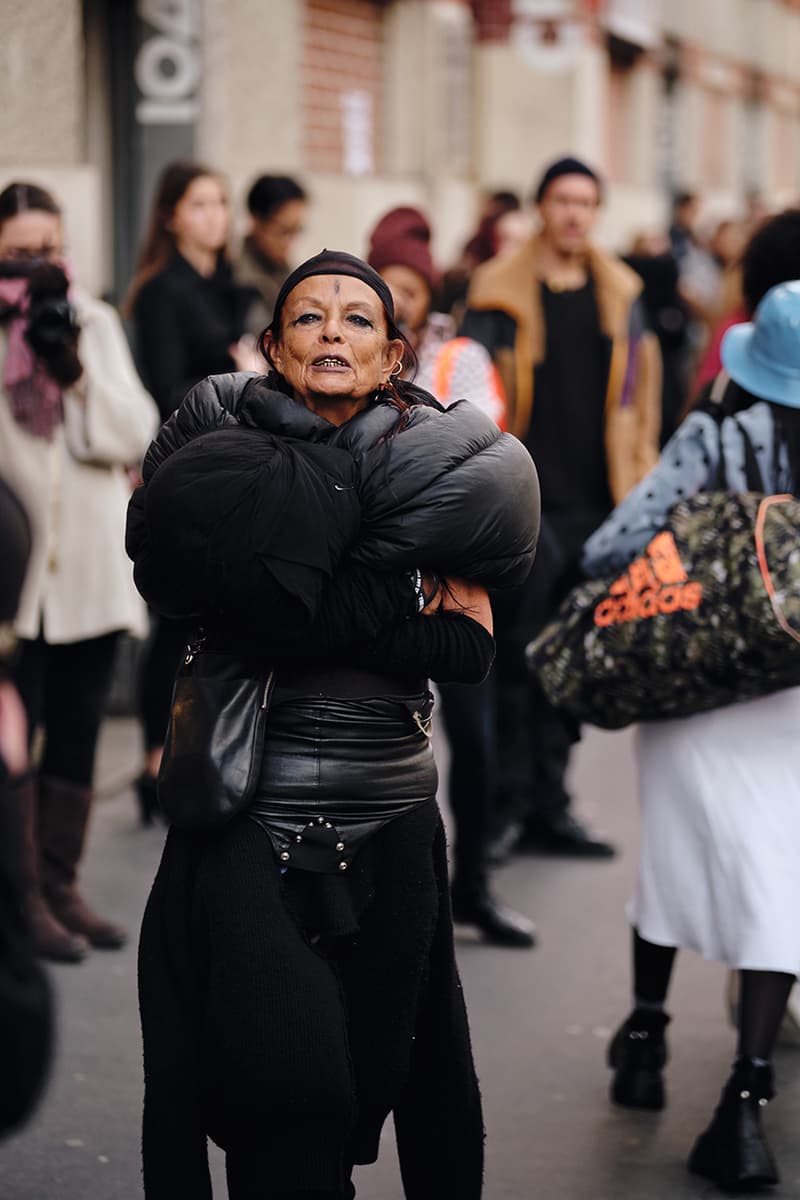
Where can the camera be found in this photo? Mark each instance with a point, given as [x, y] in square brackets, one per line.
[52, 330]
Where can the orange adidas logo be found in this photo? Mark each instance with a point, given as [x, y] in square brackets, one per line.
[655, 583]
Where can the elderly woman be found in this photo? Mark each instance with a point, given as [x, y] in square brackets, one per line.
[297, 973]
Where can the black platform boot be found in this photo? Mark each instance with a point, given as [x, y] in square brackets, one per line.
[637, 1055]
[733, 1151]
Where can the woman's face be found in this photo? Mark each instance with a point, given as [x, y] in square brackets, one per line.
[411, 295]
[333, 343]
[276, 234]
[32, 234]
[201, 218]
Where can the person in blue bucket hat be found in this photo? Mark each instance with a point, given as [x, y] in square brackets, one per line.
[763, 355]
[719, 790]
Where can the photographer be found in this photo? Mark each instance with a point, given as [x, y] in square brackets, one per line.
[73, 415]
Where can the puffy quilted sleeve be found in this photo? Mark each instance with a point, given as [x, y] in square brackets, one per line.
[209, 405]
[449, 493]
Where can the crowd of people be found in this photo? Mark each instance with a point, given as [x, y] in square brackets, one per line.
[600, 389]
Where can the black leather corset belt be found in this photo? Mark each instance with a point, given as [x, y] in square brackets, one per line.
[338, 768]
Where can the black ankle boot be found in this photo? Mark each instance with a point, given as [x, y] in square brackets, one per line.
[497, 924]
[637, 1055]
[733, 1151]
[147, 797]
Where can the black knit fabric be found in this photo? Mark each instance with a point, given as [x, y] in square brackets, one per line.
[290, 1051]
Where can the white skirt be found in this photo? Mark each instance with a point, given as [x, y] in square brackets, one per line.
[720, 852]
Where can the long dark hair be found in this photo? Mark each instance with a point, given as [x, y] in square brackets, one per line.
[159, 245]
[20, 197]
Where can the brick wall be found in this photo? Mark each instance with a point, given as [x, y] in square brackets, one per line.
[493, 20]
[342, 72]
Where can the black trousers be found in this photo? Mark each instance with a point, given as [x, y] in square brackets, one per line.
[534, 739]
[509, 747]
[469, 715]
[65, 690]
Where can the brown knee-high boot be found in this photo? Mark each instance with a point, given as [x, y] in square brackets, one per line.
[63, 820]
[51, 939]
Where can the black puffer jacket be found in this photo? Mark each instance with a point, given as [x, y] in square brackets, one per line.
[442, 489]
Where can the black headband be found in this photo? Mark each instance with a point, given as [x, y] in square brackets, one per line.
[566, 166]
[333, 262]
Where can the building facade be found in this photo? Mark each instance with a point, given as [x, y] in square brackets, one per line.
[373, 103]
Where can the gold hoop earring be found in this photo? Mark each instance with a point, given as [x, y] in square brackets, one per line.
[397, 368]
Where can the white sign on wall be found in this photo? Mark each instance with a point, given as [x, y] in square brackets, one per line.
[167, 65]
[357, 129]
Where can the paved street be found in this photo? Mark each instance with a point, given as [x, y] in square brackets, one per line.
[540, 1023]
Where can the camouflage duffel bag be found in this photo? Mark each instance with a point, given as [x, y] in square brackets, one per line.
[708, 615]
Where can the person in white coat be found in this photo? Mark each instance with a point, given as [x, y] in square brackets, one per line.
[720, 791]
[73, 417]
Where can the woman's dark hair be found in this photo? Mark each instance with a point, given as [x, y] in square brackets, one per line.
[504, 202]
[772, 256]
[26, 197]
[159, 244]
[787, 431]
[270, 192]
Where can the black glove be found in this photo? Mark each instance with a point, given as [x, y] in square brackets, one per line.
[53, 328]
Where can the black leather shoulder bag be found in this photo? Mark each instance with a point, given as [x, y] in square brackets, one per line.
[215, 739]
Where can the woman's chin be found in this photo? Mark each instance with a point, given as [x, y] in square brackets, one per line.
[333, 391]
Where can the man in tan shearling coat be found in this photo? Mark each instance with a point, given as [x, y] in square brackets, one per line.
[563, 323]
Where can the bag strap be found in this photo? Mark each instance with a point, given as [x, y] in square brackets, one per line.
[754, 480]
[763, 565]
[719, 387]
[752, 471]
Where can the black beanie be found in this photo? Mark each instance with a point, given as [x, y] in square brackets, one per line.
[334, 262]
[566, 166]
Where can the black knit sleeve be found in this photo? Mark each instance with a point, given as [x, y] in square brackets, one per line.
[448, 648]
[366, 618]
[357, 606]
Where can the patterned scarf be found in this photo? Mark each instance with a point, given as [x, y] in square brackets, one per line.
[37, 402]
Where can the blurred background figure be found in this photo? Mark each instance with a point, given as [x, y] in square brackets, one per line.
[564, 324]
[483, 244]
[400, 250]
[511, 229]
[278, 206]
[189, 320]
[771, 256]
[188, 312]
[726, 246]
[26, 1008]
[668, 317]
[73, 416]
[452, 369]
[685, 215]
